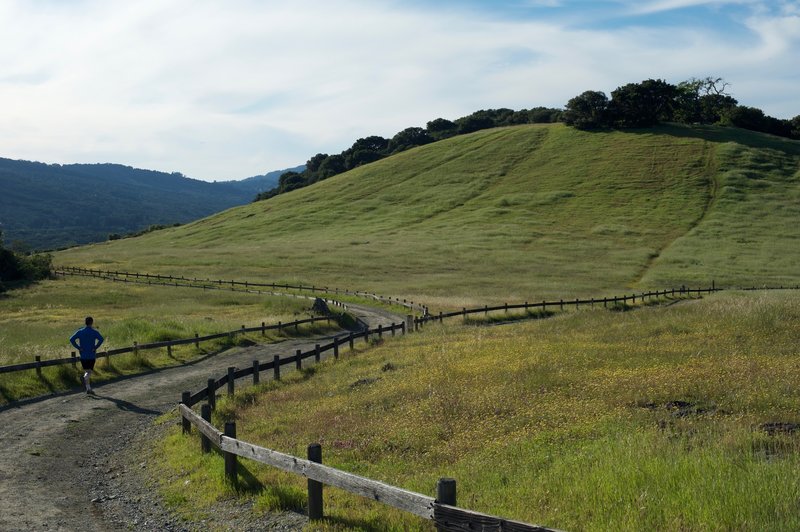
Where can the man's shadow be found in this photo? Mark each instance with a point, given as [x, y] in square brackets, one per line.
[125, 406]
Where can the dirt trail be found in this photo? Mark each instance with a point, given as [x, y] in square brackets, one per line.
[69, 461]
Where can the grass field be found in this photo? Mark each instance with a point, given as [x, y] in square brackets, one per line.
[517, 213]
[39, 321]
[653, 419]
[594, 420]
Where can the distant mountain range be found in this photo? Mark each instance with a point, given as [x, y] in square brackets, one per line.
[50, 206]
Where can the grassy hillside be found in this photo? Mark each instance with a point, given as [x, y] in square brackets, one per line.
[512, 213]
[676, 417]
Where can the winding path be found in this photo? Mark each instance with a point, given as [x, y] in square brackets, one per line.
[68, 462]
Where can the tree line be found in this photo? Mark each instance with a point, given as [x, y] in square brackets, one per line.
[370, 149]
[20, 267]
[653, 101]
[644, 104]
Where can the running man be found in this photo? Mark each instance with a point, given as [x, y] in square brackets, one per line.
[87, 340]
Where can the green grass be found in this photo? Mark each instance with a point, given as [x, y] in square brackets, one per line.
[592, 420]
[40, 319]
[513, 214]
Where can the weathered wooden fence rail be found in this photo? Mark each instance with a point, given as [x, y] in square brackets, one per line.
[219, 284]
[38, 363]
[442, 509]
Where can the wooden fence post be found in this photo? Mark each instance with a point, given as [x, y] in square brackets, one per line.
[446, 491]
[366, 335]
[316, 353]
[205, 443]
[315, 487]
[186, 425]
[231, 381]
[298, 360]
[38, 360]
[230, 458]
[196, 341]
[255, 372]
[263, 329]
[336, 348]
[352, 339]
[393, 329]
[409, 323]
[212, 391]
[380, 331]
[276, 368]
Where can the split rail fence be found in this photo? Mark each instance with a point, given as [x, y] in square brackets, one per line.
[442, 509]
[231, 285]
[562, 304]
[38, 363]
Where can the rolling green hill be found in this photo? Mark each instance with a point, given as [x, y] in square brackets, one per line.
[518, 213]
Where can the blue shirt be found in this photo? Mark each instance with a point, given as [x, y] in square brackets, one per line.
[86, 340]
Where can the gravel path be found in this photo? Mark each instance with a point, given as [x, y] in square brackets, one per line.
[75, 462]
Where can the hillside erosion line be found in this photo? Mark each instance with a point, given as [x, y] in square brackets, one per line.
[713, 187]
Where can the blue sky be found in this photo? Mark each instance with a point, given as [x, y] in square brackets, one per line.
[226, 90]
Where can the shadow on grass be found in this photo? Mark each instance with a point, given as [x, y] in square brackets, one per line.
[721, 134]
[506, 319]
[376, 525]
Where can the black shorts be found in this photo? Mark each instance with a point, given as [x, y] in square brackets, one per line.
[87, 363]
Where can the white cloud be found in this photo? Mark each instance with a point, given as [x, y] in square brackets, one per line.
[658, 6]
[222, 91]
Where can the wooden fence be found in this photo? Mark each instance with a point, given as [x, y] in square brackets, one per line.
[38, 364]
[208, 393]
[442, 509]
[230, 285]
[562, 304]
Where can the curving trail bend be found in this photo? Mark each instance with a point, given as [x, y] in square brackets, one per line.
[69, 461]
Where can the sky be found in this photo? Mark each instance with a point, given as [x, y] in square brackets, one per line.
[226, 90]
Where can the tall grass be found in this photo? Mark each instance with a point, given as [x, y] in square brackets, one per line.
[656, 418]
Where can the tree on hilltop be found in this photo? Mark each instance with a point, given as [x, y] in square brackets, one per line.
[643, 104]
[703, 101]
[588, 110]
[409, 138]
[442, 128]
[365, 150]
